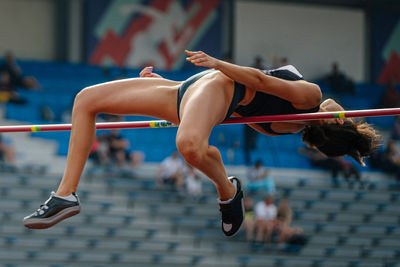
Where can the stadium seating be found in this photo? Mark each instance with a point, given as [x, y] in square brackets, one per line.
[133, 222]
[62, 81]
[162, 228]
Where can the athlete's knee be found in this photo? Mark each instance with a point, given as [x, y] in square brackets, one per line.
[191, 147]
[84, 101]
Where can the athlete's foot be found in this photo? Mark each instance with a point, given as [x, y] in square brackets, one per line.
[54, 210]
[232, 210]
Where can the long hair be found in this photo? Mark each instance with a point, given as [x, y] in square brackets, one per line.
[357, 140]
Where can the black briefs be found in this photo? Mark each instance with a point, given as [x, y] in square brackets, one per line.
[238, 94]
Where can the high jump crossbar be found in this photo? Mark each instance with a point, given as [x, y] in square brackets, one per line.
[242, 120]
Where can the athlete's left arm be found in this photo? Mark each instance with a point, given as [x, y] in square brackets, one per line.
[301, 93]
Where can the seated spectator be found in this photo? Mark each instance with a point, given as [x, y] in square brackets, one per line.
[265, 215]
[171, 171]
[387, 160]
[338, 81]
[284, 61]
[284, 221]
[351, 173]
[333, 165]
[278, 62]
[98, 153]
[259, 180]
[391, 152]
[47, 114]
[193, 182]
[112, 148]
[258, 63]
[16, 76]
[7, 90]
[117, 147]
[395, 134]
[249, 220]
[7, 151]
[250, 142]
[390, 97]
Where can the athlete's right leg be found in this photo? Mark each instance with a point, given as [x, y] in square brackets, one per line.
[141, 96]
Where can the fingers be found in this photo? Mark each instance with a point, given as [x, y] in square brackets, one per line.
[197, 58]
[146, 72]
[195, 54]
[340, 121]
[191, 53]
[334, 121]
[201, 59]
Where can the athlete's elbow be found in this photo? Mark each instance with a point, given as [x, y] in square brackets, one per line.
[259, 82]
[317, 96]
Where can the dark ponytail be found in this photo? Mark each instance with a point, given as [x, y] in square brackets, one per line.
[357, 140]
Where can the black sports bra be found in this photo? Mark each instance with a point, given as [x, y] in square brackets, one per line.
[266, 104]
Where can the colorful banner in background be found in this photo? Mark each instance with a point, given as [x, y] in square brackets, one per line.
[385, 47]
[135, 33]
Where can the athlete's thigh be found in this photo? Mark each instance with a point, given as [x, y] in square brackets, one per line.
[205, 106]
[153, 97]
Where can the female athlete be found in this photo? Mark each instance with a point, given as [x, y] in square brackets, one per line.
[197, 105]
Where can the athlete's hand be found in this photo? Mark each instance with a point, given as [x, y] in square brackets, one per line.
[148, 73]
[201, 59]
[333, 121]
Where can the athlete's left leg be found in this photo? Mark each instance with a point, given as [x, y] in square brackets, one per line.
[204, 106]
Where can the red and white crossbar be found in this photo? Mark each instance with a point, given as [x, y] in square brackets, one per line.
[243, 120]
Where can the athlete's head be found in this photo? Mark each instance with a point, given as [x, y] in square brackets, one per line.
[357, 140]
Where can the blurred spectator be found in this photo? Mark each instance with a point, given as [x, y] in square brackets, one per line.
[112, 148]
[278, 62]
[99, 152]
[284, 221]
[387, 160]
[117, 147]
[258, 63]
[193, 182]
[333, 165]
[249, 220]
[171, 171]
[250, 142]
[395, 134]
[318, 159]
[284, 61]
[7, 90]
[47, 114]
[16, 76]
[390, 97]
[7, 151]
[349, 172]
[391, 153]
[338, 81]
[231, 151]
[265, 215]
[259, 180]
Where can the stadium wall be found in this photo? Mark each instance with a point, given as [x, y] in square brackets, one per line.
[30, 22]
[311, 37]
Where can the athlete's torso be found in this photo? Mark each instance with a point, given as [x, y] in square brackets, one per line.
[265, 104]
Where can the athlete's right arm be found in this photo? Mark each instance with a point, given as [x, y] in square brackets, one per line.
[148, 72]
[304, 94]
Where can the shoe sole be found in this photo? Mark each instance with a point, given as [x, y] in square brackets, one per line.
[49, 222]
[243, 211]
[240, 227]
